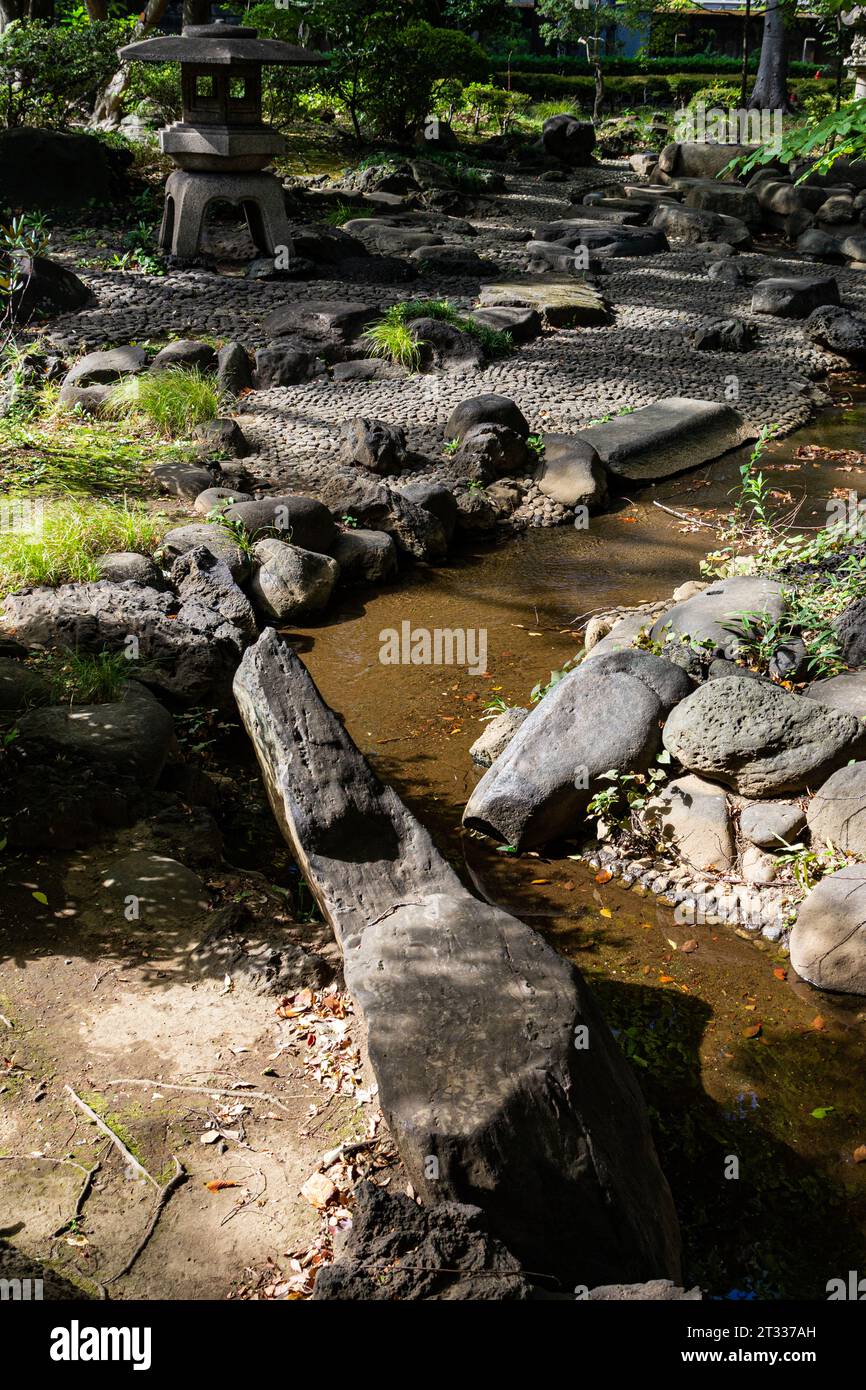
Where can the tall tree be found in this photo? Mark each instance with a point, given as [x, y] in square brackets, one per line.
[109, 103]
[770, 92]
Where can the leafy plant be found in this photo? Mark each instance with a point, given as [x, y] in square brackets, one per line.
[810, 863]
[621, 803]
[85, 678]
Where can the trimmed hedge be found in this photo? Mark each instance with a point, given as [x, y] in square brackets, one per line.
[648, 90]
[625, 67]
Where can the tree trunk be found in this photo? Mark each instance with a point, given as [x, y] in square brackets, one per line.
[770, 92]
[96, 10]
[599, 93]
[196, 12]
[744, 77]
[108, 106]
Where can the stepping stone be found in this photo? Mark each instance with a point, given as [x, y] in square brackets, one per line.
[794, 298]
[666, 438]
[613, 210]
[337, 320]
[564, 301]
[711, 615]
[693, 225]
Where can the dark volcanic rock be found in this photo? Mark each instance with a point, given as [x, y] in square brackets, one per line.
[373, 444]
[566, 138]
[397, 1250]
[489, 409]
[46, 288]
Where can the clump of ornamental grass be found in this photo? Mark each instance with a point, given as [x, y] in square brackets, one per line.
[64, 537]
[174, 400]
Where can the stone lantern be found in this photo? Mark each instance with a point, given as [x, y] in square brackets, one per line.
[221, 145]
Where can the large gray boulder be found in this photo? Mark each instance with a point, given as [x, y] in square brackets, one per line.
[666, 438]
[101, 368]
[759, 739]
[416, 529]
[373, 444]
[289, 583]
[211, 536]
[839, 330]
[694, 225]
[712, 619]
[304, 521]
[603, 715]
[828, 940]
[365, 557]
[210, 600]
[571, 472]
[166, 653]
[731, 199]
[488, 409]
[837, 812]
[126, 738]
[699, 159]
[512, 1111]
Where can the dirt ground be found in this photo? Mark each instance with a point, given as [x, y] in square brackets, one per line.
[93, 1004]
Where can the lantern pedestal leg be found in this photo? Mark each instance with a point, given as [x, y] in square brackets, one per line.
[188, 195]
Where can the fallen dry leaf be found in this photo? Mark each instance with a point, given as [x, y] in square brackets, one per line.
[818, 1023]
[753, 1031]
[218, 1184]
[689, 946]
[318, 1190]
[603, 876]
[859, 1154]
[780, 972]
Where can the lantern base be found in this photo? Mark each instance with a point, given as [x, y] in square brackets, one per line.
[188, 195]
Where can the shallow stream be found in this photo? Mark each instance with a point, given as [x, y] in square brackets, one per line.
[755, 1080]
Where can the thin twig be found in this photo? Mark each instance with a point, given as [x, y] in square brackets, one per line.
[202, 1090]
[110, 1134]
[165, 1193]
[4, 1020]
[682, 516]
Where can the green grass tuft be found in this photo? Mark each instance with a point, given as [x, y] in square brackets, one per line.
[81, 678]
[71, 535]
[174, 400]
[391, 337]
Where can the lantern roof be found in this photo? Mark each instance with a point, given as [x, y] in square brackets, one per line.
[218, 44]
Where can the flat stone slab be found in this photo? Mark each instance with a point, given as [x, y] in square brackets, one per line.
[339, 320]
[668, 437]
[564, 301]
[694, 814]
[794, 297]
[505, 1110]
[712, 616]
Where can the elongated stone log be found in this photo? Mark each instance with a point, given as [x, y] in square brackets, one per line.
[497, 1074]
